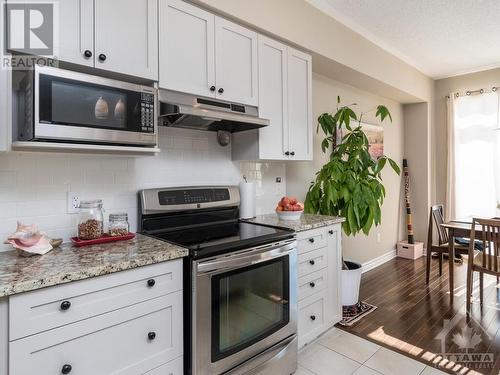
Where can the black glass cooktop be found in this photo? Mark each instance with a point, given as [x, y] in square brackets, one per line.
[207, 240]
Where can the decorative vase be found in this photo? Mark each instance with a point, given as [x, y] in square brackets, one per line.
[120, 110]
[101, 109]
[351, 280]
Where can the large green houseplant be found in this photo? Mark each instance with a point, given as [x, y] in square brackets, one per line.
[350, 183]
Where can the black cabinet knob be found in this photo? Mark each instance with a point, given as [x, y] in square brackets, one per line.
[102, 57]
[65, 305]
[313, 317]
[151, 283]
[330, 231]
[88, 53]
[311, 240]
[292, 153]
[287, 153]
[311, 262]
[221, 90]
[312, 284]
[212, 88]
[66, 369]
[151, 335]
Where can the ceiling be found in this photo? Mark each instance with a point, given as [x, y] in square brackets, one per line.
[441, 38]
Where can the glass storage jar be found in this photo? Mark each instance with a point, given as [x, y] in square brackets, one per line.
[118, 224]
[90, 220]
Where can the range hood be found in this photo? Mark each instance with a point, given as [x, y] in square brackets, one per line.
[193, 112]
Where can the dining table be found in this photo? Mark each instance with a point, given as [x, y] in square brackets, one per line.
[458, 228]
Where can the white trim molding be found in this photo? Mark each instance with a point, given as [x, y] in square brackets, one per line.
[378, 261]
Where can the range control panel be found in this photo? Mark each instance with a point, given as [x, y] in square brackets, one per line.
[192, 196]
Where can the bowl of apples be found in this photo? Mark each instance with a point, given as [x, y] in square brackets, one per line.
[289, 208]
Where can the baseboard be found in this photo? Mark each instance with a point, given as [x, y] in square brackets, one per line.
[378, 261]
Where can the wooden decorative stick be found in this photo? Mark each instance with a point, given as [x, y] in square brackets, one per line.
[409, 224]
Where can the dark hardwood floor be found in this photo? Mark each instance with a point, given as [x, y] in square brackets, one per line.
[411, 317]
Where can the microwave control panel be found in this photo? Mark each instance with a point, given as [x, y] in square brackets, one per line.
[147, 112]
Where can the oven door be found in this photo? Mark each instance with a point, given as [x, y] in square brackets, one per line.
[72, 106]
[243, 304]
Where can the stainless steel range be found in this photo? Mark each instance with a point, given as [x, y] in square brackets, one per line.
[240, 281]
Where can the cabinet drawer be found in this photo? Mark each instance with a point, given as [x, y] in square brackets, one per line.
[312, 283]
[312, 261]
[311, 240]
[311, 317]
[174, 367]
[43, 309]
[114, 343]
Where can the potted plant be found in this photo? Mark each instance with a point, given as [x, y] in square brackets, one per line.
[350, 183]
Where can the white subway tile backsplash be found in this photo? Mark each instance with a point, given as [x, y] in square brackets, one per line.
[33, 186]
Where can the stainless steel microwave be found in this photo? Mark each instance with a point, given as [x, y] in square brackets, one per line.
[65, 106]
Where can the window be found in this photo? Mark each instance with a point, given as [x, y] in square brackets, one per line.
[477, 155]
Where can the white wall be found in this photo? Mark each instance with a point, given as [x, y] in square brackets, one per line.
[33, 186]
[299, 174]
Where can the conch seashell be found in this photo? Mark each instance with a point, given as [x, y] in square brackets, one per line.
[29, 239]
[101, 109]
[120, 110]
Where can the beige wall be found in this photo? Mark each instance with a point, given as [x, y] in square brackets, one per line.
[299, 174]
[443, 87]
[416, 146]
[298, 22]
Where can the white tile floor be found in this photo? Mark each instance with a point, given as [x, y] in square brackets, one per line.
[338, 352]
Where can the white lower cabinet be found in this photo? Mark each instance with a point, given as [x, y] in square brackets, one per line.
[319, 272]
[141, 338]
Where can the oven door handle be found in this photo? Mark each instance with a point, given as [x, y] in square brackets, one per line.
[246, 259]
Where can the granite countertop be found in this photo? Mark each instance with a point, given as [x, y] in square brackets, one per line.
[306, 222]
[68, 263]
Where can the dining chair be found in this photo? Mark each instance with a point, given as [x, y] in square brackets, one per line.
[486, 261]
[436, 218]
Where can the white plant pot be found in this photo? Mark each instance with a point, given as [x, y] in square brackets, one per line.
[351, 280]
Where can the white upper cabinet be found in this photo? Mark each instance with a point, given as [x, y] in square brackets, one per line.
[273, 139]
[76, 31]
[299, 105]
[235, 62]
[206, 55]
[285, 99]
[186, 48]
[126, 37]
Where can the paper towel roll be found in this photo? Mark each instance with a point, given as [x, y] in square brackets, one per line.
[247, 200]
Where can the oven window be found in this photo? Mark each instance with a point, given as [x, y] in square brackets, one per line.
[70, 102]
[248, 305]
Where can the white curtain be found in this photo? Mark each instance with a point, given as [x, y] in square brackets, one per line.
[473, 174]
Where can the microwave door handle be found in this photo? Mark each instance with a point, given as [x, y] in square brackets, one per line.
[240, 261]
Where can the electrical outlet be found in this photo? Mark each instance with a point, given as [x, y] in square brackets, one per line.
[73, 202]
[379, 237]
[278, 184]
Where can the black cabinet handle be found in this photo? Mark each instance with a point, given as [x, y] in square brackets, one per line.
[66, 369]
[312, 284]
[313, 317]
[151, 283]
[221, 90]
[287, 153]
[65, 305]
[212, 88]
[330, 231]
[88, 53]
[102, 57]
[311, 240]
[292, 153]
[311, 262]
[151, 335]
